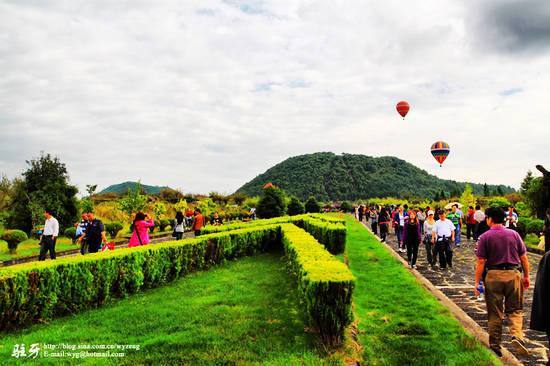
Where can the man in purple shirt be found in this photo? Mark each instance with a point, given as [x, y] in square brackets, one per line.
[500, 254]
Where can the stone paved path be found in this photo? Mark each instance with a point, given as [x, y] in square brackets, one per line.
[458, 283]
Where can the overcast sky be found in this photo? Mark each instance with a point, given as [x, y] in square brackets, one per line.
[205, 95]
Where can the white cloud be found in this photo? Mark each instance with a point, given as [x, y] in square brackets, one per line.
[205, 95]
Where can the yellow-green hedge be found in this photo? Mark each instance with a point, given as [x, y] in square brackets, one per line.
[39, 291]
[328, 230]
[325, 283]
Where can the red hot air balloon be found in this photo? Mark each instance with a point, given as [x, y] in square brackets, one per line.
[402, 108]
[440, 150]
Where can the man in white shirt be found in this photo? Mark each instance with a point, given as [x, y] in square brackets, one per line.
[443, 235]
[49, 236]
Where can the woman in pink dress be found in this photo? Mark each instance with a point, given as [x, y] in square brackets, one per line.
[140, 233]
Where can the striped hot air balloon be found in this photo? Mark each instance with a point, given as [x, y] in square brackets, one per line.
[440, 151]
[402, 108]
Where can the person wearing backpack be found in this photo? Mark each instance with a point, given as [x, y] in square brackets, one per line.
[140, 230]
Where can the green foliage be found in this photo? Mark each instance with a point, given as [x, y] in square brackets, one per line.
[45, 184]
[486, 190]
[133, 202]
[123, 188]
[272, 204]
[529, 225]
[70, 232]
[312, 206]
[326, 284]
[467, 198]
[499, 202]
[159, 209]
[86, 205]
[90, 189]
[535, 197]
[13, 238]
[163, 224]
[171, 195]
[526, 183]
[113, 228]
[346, 206]
[73, 284]
[331, 177]
[295, 207]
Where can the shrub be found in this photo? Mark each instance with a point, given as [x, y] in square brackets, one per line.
[499, 202]
[346, 206]
[312, 206]
[13, 238]
[113, 228]
[295, 207]
[534, 226]
[164, 224]
[70, 232]
[325, 284]
[272, 204]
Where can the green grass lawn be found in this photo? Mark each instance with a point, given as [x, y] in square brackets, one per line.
[244, 312]
[401, 323]
[30, 247]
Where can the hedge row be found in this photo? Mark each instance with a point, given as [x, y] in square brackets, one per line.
[328, 230]
[39, 291]
[325, 283]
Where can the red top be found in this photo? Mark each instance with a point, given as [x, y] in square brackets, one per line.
[470, 217]
[199, 222]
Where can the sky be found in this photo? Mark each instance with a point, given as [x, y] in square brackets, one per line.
[205, 95]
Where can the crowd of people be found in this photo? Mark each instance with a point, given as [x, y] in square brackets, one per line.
[502, 269]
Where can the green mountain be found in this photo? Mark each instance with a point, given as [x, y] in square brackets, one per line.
[331, 177]
[122, 188]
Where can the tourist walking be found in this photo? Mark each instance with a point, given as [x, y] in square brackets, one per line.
[179, 225]
[399, 224]
[540, 312]
[429, 243]
[511, 219]
[140, 230]
[455, 217]
[547, 231]
[94, 234]
[443, 235]
[479, 217]
[373, 214]
[412, 236]
[80, 230]
[470, 223]
[49, 236]
[198, 222]
[421, 218]
[503, 257]
[384, 221]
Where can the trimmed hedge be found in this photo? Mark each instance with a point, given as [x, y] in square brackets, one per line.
[328, 230]
[39, 291]
[325, 283]
[70, 232]
[13, 238]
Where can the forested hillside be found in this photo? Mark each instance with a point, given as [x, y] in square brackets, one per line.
[328, 176]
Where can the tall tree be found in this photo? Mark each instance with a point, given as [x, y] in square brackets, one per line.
[486, 191]
[45, 184]
[526, 183]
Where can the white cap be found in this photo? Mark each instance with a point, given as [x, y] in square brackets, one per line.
[431, 212]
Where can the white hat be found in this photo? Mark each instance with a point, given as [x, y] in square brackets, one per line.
[431, 212]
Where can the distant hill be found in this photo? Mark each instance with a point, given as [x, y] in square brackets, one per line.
[331, 177]
[122, 188]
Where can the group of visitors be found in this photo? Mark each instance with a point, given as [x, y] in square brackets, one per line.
[502, 264]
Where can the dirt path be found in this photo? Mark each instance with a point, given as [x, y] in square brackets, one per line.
[458, 283]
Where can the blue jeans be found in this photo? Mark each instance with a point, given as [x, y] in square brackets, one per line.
[457, 234]
[399, 233]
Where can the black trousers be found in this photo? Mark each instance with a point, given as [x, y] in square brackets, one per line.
[412, 251]
[445, 252]
[374, 227]
[471, 231]
[383, 231]
[547, 242]
[47, 244]
[179, 235]
[94, 245]
[84, 247]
